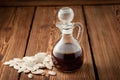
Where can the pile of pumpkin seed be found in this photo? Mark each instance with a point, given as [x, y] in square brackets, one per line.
[37, 64]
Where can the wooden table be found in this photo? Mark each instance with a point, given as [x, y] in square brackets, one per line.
[28, 30]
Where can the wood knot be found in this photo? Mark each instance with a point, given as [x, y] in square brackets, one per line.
[1, 57]
[7, 28]
[116, 10]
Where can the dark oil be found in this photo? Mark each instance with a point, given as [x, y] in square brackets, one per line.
[67, 62]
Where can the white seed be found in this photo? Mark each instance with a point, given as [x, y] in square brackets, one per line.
[26, 71]
[30, 75]
[47, 58]
[29, 65]
[20, 64]
[48, 62]
[22, 69]
[40, 57]
[41, 54]
[40, 71]
[25, 58]
[41, 65]
[52, 73]
[48, 66]
[16, 67]
[50, 58]
[28, 58]
[12, 64]
[6, 63]
[18, 60]
[43, 74]
[51, 63]
[30, 68]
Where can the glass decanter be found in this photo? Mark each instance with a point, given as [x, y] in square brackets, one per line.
[67, 54]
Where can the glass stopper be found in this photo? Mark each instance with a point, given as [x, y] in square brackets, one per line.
[65, 14]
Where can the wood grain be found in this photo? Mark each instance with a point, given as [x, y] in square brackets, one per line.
[55, 2]
[43, 37]
[4, 30]
[14, 28]
[104, 30]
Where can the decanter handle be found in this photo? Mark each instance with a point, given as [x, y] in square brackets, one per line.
[80, 31]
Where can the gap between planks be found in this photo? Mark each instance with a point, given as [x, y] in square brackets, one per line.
[28, 37]
[93, 60]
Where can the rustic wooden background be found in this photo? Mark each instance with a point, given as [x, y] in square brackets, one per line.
[56, 2]
[28, 27]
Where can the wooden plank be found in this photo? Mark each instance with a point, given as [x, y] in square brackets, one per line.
[43, 37]
[39, 36]
[104, 30]
[55, 2]
[14, 29]
[4, 21]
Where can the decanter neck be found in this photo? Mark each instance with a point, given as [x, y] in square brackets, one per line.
[67, 34]
[67, 31]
